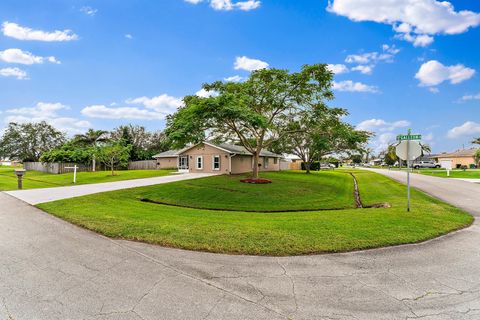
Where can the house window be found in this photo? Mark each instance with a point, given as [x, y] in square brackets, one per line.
[216, 163]
[275, 160]
[199, 163]
[265, 162]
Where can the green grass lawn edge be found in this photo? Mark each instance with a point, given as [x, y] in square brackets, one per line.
[239, 232]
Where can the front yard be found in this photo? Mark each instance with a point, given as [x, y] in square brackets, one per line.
[35, 179]
[123, 214]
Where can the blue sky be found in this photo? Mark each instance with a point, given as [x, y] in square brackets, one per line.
[81, 64]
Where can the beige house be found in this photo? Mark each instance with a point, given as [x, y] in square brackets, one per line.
[459, 158]
[211, 158]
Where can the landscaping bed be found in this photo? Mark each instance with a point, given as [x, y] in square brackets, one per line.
[121, 214]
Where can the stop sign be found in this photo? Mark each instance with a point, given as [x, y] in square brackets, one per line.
[412, 148]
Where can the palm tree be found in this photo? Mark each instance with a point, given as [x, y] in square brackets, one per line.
[425, 149]
[476, 140]
[92, 138]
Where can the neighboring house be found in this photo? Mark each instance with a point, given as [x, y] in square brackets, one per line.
[294, 162]
[211, 158]
[464, 157]
[376, 162]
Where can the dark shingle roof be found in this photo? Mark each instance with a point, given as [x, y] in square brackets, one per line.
[226, 146]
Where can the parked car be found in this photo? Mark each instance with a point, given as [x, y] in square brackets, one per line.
[425, 164]
[324, 165]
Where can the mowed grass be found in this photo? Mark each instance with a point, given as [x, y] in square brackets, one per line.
[35, 179]
[468, 174]
[121, 214]
[288, 191]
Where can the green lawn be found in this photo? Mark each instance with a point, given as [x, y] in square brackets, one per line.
[121, 214]
[34, 179]
[289, 191]
[469, 173]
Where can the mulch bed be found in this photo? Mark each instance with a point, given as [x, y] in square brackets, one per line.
[256, 181]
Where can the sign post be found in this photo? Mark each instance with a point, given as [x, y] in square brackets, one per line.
[409, 149]
[74, 173]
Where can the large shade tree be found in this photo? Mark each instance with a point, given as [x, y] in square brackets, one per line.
[320, 132]
[27, 141]
[92, 138]
[252, 113]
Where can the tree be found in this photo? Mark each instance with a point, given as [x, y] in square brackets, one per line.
[28, 141]
[252, 113]
[144, 144]
[320, 132]
[477, 157]
[356, 158]
[115, 155]
[391, 155]
[476, 140]
[92, 138]
[425, 149]
[69, 152]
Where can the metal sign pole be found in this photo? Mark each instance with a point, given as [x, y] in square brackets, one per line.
[408, 176]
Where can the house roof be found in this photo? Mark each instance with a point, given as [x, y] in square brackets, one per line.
[459, 153]
[230, 148]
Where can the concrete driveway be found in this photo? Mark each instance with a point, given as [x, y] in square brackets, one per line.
[36, 196]
[50, 269]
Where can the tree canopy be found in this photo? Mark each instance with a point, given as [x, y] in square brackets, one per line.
[27, 141]
[253, 113]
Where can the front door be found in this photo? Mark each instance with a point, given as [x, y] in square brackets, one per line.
[183, 163]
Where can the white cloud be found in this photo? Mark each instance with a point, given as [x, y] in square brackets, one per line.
[13, 72]
[23, 57]
[471, 97]
[128, 36]
[164, 103]
[364, 69]
[413, 20]
[89, 11]
[244, 63]
[469, 128]
[16, 31]
[104, 112]
[338, 68]
[202, 93]
[433, 73]
[382, 125]
[351, 86]
[47, 112]
[227, 5]
[383, 131]
[234, 79]
[152, 108]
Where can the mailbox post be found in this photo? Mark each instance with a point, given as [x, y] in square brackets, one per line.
[20, 173]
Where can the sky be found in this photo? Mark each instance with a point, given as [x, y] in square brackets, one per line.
[398, 65]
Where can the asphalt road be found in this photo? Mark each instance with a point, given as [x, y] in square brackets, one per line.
[50, 269]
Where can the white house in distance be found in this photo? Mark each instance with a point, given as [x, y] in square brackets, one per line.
[211, 158]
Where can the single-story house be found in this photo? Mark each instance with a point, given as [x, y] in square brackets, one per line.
[212, 158]
[464, 157]
[294, 162]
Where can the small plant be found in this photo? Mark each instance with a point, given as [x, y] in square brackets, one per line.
[464, 167]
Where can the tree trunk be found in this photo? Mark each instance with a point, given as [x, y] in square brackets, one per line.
[307, 167]
[113, 167]
[93, 163]
[255, 165]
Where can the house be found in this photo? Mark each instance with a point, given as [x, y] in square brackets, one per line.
[463, 157]
[212, 158]
[293, 162]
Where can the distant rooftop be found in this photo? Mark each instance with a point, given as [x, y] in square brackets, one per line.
[458, 153]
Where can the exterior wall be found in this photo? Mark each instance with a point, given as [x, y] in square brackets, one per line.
[456, 161]
[207, 152]
[167, 163]
[241, 164]
[272, 166]
[296, 165]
